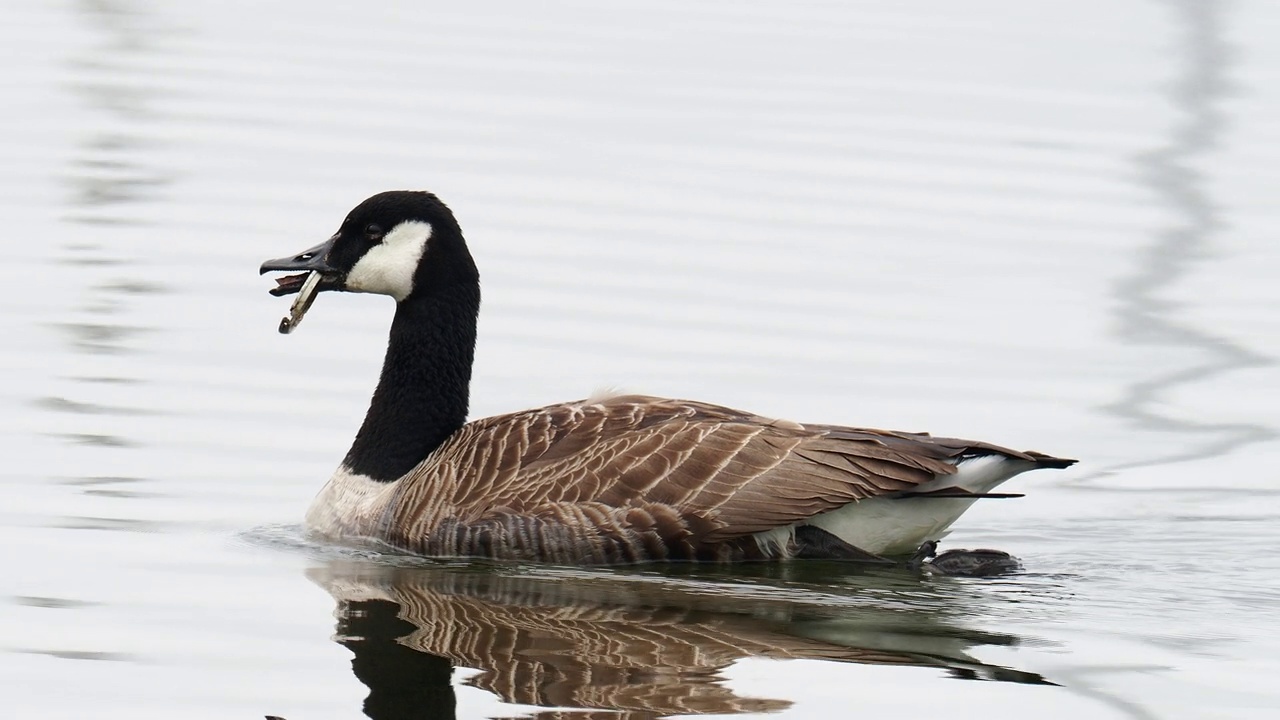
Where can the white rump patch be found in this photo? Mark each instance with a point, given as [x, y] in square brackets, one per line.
[980, 474]
[388, 267]
[889, 526]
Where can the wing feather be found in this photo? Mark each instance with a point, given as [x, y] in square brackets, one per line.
[687, 473]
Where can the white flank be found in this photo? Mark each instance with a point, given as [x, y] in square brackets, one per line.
[347, 506]
[891, 526]
[388, 267]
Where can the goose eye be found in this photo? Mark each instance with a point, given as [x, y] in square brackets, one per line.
[373, 231]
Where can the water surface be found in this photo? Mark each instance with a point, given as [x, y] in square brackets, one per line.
[1045, 225]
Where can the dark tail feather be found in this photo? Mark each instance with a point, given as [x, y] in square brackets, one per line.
[1050, 462]
[954, 492]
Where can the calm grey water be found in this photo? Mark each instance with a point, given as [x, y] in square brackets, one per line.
[1048, 225]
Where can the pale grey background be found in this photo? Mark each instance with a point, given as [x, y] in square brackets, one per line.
[1049, 225]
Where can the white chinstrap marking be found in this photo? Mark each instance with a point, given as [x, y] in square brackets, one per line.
[388, 267]
[888, 526]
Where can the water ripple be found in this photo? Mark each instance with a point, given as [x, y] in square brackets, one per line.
[1145, 316]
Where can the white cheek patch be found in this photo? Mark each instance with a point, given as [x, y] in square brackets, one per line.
[388, 268]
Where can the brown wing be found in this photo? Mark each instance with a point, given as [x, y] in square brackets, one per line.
[726, 473]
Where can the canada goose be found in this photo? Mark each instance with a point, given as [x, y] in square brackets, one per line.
[613, 479]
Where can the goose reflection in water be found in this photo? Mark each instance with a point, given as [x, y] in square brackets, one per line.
[631, 647]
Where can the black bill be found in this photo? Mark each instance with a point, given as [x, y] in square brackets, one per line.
[316, 275]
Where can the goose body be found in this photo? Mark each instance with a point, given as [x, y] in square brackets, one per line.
[611, 479]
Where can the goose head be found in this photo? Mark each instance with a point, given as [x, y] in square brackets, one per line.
[401, 243]
[406, 245]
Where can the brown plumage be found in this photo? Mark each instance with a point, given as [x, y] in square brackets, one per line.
[636, 478]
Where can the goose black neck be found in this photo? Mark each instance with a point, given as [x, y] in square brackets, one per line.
[423, 393]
